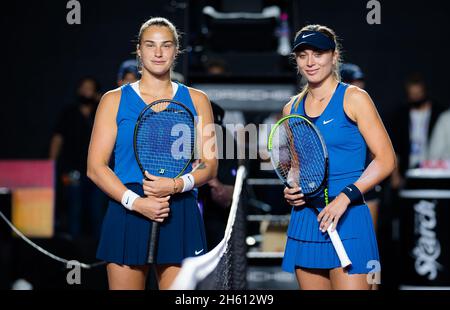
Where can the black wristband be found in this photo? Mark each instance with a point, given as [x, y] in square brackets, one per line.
[353, 193]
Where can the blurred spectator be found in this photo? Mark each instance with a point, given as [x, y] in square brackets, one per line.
[69, 147]
[412, 126]
[128, 72]
[352, 74]
[440, 139]
[215, 197]
[177, 77]
[215, 66]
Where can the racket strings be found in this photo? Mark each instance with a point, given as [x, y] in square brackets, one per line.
[308, 147]
[164, 140]
[298, 154]
[281, 153]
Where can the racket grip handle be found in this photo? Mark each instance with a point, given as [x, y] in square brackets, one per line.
[339, 247]
[152, 243]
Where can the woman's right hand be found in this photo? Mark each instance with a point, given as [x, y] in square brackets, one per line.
[154, 208]
[294, 196]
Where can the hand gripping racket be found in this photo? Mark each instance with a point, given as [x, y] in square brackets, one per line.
[164, 144]
[299, 157]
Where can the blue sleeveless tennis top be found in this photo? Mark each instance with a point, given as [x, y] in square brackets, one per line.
[345, 144]
[131, 104]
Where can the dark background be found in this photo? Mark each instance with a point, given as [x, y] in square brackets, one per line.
[44, 57]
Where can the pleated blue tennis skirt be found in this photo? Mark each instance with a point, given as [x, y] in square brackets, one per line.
[308, 247]
[125, 234]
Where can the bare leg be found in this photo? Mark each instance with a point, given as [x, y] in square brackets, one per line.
[166, 275]
[123, 277]
[313, 279]
[341, 280]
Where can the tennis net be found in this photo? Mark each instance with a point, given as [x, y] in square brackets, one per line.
[225, 266]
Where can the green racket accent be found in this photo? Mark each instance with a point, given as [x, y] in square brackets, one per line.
[326, 196]
[274, 129]
[300, 149]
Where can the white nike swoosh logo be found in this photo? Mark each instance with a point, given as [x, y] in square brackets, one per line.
[307, 35]
[350, 189]
[328, 121]
[198, 252]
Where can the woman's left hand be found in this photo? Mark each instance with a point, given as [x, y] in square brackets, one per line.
[157, 186]
[333, 212]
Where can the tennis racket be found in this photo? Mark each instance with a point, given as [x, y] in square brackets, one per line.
[299, 157]
[164, 145]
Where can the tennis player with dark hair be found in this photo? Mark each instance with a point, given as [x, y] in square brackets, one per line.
[349, 122]
[136, 203]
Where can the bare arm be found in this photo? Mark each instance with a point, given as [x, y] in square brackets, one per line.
[206, 137]
[360, 107]
[55, 146]
[222, 194]
[102, 143]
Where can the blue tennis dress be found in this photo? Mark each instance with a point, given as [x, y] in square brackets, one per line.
[125, 234]
[307, 246]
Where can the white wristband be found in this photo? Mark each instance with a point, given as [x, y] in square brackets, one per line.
[188, 182]
[128, 199]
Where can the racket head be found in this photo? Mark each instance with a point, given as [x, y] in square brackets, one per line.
[298, 154]
[165, 138]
